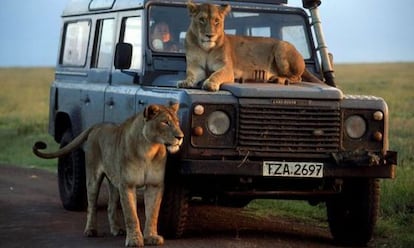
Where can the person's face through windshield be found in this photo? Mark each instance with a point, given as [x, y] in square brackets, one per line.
[162, 32]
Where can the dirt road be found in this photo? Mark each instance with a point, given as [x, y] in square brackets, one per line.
[31, 215]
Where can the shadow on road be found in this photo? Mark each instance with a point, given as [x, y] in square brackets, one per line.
[31, 215]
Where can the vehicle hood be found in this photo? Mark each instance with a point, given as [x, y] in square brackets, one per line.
[300, 90]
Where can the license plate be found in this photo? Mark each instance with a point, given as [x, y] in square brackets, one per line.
[292, 169]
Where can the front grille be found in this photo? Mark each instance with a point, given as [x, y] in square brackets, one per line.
[286, 129]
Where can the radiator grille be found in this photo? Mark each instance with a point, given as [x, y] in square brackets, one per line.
[289, 129]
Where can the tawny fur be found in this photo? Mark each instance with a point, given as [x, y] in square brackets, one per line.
[217, 58]
[130, 155]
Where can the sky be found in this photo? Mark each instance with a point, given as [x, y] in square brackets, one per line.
[356, 31]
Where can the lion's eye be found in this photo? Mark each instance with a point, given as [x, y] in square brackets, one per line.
[202, 20]
[166, 123]
[217, 22]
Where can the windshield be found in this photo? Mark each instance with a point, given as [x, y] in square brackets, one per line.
[168, 25]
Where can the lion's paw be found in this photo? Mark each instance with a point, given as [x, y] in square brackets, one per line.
[185, 84]
[211, 86]
[90, 233]
[154, 240]
[134, 242]
[279, 80]
[118, 232]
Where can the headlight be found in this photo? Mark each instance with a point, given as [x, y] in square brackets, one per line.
[355, 126]
[218, 122]
[213, 126]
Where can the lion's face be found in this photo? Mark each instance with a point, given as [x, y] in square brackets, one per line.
[162, 126]
[207, 23]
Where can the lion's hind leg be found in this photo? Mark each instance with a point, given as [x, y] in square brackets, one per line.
[93, 184]
[288, 65]
[114, 211]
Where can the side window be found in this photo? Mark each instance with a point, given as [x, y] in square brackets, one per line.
[132, 33]
[75, 43]
[104, 43]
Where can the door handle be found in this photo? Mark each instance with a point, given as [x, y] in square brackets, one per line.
[110, 102]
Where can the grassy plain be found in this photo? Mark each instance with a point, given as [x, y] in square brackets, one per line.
[24, 104]
[24, 100]
[393, 82]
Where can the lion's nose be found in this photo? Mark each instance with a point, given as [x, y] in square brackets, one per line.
[180, 137]
[209, 36]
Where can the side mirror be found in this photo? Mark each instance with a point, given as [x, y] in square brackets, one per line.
[309, 4]
[123, 56]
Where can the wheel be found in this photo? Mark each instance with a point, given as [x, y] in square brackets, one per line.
[174, 209]
[71, 177]
[353, 213]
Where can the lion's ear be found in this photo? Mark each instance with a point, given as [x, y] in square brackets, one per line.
[174, 107]
[225, 9]
[192, 8]
[151, 111]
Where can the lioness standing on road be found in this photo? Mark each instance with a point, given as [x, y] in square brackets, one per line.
[226, 57]
[130, 155]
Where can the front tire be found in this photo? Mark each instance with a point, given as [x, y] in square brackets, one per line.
[353, 213]
[174, 208]
[71, 177]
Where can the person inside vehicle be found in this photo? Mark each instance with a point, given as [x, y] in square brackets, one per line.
[161, 38]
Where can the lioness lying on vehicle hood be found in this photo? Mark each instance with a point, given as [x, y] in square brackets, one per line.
[130, 155]
[226, 57]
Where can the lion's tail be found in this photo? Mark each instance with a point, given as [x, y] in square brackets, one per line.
[75, 143]
[308, 76]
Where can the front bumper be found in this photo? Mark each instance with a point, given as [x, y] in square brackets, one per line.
[356, 165]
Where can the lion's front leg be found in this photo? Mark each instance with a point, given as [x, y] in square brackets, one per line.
[194, 75]
[223, 75]
[152, 198]
[129, 206]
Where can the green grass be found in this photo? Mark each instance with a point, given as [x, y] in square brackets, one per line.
[24, 101]
[24, 104]
[393, 82]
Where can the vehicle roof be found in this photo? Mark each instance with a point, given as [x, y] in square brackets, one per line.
[74, 7]
[77, 7]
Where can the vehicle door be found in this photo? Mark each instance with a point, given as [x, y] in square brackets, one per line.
[78, 90]
[120, 95]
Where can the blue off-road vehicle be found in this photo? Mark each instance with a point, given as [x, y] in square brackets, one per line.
[251, 139]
